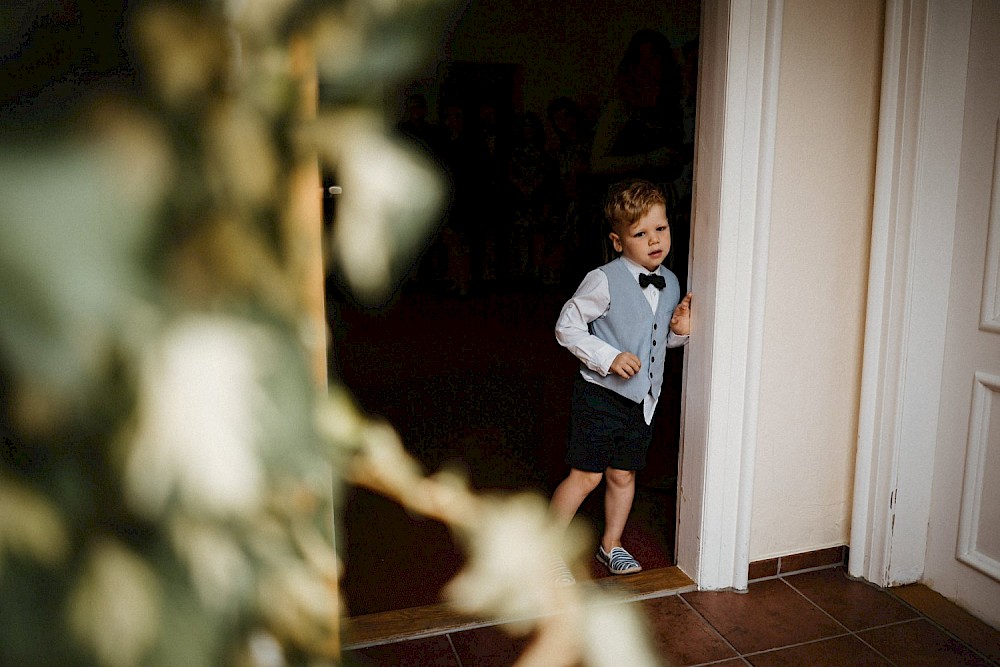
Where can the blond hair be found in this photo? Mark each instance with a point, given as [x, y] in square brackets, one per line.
[628, 201]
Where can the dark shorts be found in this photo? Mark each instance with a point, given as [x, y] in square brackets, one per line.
[606, 430]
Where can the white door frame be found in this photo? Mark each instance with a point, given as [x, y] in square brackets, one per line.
[916, 189]
[923, 88]
[737, 100]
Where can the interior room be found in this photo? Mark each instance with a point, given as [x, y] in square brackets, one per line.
[463, 360]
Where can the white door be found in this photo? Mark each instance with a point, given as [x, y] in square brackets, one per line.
[963, 539]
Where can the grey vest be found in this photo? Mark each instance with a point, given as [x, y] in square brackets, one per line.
[631, 326]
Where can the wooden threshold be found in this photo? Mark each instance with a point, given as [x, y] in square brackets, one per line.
[438, 619]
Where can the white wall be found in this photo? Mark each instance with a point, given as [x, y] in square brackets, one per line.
[817, 270]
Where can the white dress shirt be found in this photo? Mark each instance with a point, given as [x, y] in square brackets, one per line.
[590, 302]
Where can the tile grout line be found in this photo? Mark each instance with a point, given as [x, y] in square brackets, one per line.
[743, 655]
[876, 627]
[942, 628]
[815, 604]
[798, 644]
[920, 616]
[454, 651]
[720, 662]
[738, 653]
[849, 630]
[818, 568]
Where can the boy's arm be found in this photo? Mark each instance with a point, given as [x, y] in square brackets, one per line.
[590, 302]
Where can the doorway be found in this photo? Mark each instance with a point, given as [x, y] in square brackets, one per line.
[462, 383]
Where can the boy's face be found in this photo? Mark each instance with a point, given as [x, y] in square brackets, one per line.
[647, 240]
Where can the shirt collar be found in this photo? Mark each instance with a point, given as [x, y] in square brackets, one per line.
[636, 269]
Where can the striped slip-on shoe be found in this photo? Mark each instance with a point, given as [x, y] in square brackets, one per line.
[618, 561]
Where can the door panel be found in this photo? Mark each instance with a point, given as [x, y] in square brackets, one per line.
[963, 547]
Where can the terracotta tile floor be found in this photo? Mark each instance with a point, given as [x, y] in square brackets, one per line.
[815, 619]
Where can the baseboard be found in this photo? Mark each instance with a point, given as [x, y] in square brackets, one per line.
[809, 560]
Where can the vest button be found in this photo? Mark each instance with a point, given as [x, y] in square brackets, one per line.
[654, 326]
[654, 343]
[652, 359]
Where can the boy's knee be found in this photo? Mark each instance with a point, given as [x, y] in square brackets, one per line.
[587, 480]
[620, 477]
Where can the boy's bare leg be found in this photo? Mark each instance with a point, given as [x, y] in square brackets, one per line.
[571, 493]
[619, 492]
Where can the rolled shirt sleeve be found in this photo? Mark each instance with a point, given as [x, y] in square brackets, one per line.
[676, 340]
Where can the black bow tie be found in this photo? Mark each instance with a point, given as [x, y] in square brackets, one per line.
[646, 279]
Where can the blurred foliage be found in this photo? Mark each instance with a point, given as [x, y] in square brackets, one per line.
[169, 465]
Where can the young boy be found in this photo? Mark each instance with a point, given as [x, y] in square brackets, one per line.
[618, 324]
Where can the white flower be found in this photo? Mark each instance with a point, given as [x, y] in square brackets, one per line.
[221, 572]
[391, 195]
[114, 608]
[200, 401]
[30, 525]
[510, 550]
[614, 635]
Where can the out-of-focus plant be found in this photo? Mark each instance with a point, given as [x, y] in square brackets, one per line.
[170, 466]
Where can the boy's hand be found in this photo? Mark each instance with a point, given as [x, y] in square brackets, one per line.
[680, 323]
[626, 365]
